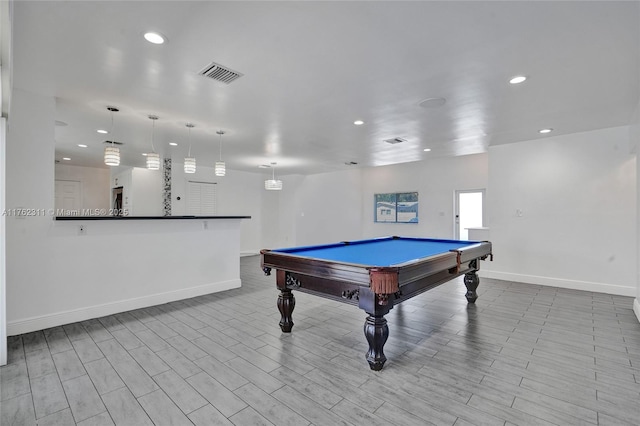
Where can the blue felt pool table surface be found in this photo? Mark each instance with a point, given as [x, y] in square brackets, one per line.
[382, 252]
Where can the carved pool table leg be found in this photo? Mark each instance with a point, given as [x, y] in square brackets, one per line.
[376, 331]
[286, 303]
[471, 281]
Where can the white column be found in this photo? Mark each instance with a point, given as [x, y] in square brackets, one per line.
[3, 291]
[634, 142]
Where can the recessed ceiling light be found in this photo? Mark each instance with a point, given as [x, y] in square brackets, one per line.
[104, 132]
[66, 158]
[543, 131]
[81, 145]
[173, 144]
[358, 122]
[153, 37]
[264, 166]
[144, 154]
[427, 149]
[517, 79]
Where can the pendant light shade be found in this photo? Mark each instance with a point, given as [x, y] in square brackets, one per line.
[220, 167]
[112, 156]
[153, 158]
[273, 184]
[189, 161]
[153, 161]
[112, 152]
[189, 165]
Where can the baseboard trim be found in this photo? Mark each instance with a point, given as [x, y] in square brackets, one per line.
[66, 317]
[561, 282]
[249, 253]
[636, 308]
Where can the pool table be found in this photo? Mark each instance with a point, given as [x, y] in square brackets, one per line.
[375, 274]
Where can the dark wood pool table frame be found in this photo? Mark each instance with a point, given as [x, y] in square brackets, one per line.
[374, 289]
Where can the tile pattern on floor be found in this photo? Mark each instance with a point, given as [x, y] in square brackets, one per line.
[522, 355]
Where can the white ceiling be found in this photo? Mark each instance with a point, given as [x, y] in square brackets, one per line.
[312, 68]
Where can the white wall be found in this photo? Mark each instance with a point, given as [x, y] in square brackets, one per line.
[278, 225]
[141, 190]
[119, 265]
[146, 192]
[577, 193]
[6, 31]
[634, 141]
[435, 180]
[30, 148]
[239, 194]
[313, 209]
[339, 206]
[94, 184]
[57, 274]
[3, 288]
[328, 208]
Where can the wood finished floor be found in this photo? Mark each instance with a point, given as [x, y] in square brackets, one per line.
[523, 354]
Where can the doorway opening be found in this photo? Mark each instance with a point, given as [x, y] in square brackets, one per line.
[469, 212]
[116, 196]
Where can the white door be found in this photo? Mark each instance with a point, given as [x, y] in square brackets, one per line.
[469, 212]
[68, 195]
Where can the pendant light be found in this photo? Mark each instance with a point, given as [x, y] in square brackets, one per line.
[153, 159]
[112, 152]
[220, 168]
[273, 184]
[189, 161]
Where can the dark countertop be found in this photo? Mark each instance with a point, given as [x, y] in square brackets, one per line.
[147, 217]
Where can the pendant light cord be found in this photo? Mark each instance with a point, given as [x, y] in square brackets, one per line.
[189, 153]
[153, 128]
[220, 133]
[113, 136]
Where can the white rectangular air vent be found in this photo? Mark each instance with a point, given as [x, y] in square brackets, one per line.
[220, 73]
[395, 140]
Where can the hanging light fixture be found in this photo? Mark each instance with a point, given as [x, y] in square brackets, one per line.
[153, 159]
[273, 184]
[220, 167]
[112, 152]
[189, 161]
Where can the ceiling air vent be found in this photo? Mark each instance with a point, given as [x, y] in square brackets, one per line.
[220, 73]
[395, 140]
[114, 142]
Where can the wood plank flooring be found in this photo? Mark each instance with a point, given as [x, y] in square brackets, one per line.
[522, 355]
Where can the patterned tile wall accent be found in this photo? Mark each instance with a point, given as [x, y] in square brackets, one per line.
[166, 187]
